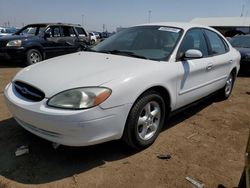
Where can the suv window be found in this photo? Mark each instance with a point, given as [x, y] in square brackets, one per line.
[68, 32]
[81, 32]
[194, 39]
[54, 31]
[217, 44]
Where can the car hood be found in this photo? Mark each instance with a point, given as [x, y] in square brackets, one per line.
[80, 69]
[15, 37]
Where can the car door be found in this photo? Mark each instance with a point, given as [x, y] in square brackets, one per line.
[220, 65]
[53, 45]
[194, 77]
[82, 36]
[69, 39]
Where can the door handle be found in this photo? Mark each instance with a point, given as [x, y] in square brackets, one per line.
[231, 61]
[209, 66]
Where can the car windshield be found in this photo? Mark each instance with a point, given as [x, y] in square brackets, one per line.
[31, 30]
[148, 42]
[241, 41]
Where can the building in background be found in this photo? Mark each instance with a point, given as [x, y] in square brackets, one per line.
[228, 26]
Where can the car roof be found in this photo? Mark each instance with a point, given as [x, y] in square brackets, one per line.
[62, 24]
[183, 25]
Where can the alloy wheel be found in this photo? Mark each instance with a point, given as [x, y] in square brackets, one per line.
[34, 57]
[229, 85]
[149, 120]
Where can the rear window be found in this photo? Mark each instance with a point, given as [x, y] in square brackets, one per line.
[80, 31]
[217, 44]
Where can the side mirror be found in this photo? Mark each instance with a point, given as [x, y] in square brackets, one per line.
[46, 35]
[193, 54]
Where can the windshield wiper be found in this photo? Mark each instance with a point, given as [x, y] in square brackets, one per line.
[127, 53]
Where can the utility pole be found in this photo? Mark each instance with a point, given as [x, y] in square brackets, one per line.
[149, 16]
[103, 27]
[82, 20]
[242, 10]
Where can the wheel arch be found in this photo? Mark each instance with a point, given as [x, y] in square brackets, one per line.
[128, 136]
[39, 48]
[234, 71]
[164, 92]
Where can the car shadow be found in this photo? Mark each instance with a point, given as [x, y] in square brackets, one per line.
[44, 164]
[190, 110]
[10, 64]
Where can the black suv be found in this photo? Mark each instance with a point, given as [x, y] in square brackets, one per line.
[36, 42]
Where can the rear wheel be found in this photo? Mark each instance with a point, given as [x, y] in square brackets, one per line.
[145, 120]
[92, 42]
[227, 89]
[33, 56]
[80, 48]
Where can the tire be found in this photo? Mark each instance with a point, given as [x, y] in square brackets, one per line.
[79, 49]
[92, 42]
[226, 91]
[33, 56]
[144, 121]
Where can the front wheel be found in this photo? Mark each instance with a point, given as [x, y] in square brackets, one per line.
[145, 121]
[33, 56]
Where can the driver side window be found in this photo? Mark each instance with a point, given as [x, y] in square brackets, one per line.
[194, 39]
[54, 31]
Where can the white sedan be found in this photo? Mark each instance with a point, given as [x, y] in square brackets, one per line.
[124, 87]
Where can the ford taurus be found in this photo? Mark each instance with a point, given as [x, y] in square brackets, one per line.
[124, 87]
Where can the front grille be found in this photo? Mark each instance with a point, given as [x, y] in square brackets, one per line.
[28, 91]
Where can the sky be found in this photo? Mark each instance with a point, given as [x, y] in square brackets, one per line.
[93, 14]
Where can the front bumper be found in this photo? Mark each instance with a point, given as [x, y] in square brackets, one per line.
[12, 53]
[67, 127]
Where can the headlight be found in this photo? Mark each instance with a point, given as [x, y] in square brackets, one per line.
[16, 43]
[80, 98]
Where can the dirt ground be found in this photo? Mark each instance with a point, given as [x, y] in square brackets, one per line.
[206, 142]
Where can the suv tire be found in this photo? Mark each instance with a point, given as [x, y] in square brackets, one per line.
[33, 56]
